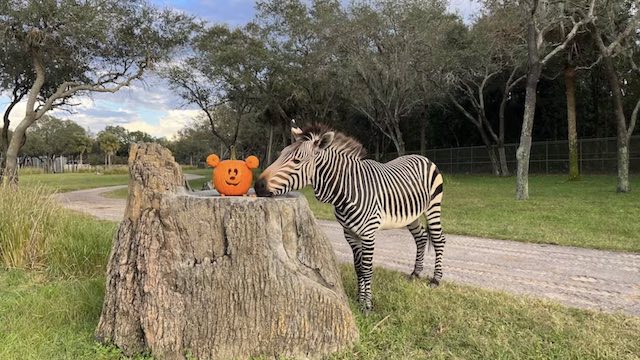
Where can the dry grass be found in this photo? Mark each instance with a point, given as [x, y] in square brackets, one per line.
[28, 214]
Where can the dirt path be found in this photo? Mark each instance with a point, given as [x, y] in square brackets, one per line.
[594, 279]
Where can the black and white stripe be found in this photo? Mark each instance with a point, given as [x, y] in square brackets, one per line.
[367, 195]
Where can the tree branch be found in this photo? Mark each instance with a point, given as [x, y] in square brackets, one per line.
[574, 30]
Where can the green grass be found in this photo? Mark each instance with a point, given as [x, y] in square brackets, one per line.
[117, 194]
[80, 181]
[45, 317]
[587, 213]
[73, 181]
[413, 321]
[51, 313]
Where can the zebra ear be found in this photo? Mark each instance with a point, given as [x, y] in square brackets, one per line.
[296, 132]
[326, 139]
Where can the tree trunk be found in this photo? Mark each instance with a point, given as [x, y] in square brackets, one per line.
[18, 139]
[601, 127]
[270, 145]
[504, 168]
[423, 138]
[397, 138]
[524, 148]
[570, 87]
[623, 165]
[219, 277]
[4, 135]
[621, 125]
[495, 169]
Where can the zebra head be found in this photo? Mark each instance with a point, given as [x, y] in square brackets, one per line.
[296, 165]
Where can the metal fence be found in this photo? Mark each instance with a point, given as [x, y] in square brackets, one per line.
[596, 156]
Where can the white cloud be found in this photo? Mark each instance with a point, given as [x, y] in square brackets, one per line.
[168, 126]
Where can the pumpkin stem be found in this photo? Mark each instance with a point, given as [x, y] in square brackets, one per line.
[232, 152]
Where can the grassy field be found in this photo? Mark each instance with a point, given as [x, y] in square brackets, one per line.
[79, 181]
[587, 213]
[73, 181]
[45, 317]
[51, 311]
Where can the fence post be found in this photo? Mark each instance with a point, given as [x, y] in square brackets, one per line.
[546, 155]
[451, 156]
[580, 154]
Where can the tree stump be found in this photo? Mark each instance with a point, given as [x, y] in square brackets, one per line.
[219, 277]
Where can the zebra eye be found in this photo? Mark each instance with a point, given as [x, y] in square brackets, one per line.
[296, 161]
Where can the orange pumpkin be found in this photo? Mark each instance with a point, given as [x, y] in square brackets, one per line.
[232, 177]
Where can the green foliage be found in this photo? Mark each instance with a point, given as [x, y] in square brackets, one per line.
[52, 136]
[108, 141]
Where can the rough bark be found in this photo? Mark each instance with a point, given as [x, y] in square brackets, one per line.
[270, 144]
[219, 277]
[524, 148]
[621, 123]
[570, 90]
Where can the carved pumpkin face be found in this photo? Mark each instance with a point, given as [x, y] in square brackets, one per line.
[232, 177]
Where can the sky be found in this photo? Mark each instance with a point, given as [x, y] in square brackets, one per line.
[149, 105]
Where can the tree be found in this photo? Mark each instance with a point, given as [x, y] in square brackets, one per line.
[109, 144]
[616, 34]
[109, 44]
[51, 137]
[139, 136]
[476, 64]
[303, 39]
[541, 17]
[380, 53]
[225, 72]
[16, 78]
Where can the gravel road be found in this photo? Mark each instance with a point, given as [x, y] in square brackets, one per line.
[584, 278]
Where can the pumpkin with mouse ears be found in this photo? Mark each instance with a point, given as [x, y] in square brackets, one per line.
[232, 177]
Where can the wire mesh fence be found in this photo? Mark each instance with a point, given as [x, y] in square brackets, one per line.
[596, 156]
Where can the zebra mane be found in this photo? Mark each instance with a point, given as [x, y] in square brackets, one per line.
[341, 143]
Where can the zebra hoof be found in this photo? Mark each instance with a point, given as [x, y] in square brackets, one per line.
[434, 283]
[366, 310]
[414, 276]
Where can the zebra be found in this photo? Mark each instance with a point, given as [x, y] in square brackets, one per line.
[367, 195]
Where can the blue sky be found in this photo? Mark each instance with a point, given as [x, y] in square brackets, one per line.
[149, 105]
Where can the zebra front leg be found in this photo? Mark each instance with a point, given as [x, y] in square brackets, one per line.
[421, 236]
[356, 248]
[367, 272]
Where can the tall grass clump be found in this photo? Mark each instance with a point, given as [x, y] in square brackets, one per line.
[37, 234]
[27, 216]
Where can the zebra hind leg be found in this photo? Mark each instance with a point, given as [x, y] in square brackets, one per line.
[421, 236]
[437, 240]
